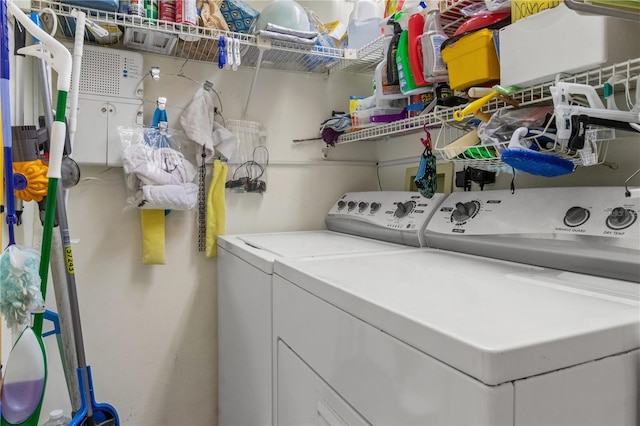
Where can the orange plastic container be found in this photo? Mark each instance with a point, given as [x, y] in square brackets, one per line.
[472, 60]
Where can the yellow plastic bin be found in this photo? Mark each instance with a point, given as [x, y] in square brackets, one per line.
[472, 60]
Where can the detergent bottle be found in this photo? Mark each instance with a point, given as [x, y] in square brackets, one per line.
[435, 69]
[57, 418]
[405, 76]
[415, 27]
[364, 24]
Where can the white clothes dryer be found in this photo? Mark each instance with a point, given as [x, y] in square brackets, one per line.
[530, 316]
[362, 223]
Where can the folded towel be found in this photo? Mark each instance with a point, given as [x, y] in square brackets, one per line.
[168, 197]
[290, 38]
[216, 214]
[146, 165]
[198, 123]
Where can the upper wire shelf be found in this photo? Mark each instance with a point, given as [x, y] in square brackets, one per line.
[198, 43]
[201, 44]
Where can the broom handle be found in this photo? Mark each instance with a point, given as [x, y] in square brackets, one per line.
[11, 217]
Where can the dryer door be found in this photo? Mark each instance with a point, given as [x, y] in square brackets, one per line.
[303, 398]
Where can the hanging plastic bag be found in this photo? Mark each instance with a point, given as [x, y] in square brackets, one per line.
[158, 170]
[426, 179]
[20, 284]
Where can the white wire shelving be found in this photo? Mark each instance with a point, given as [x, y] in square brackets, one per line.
[197, 43]
[201, 44]
[535, 95]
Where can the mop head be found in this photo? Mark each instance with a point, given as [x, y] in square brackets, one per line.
[536, 163]
[19, 285]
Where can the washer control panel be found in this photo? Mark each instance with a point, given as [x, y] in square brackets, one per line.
[595, 211]
[408, 211]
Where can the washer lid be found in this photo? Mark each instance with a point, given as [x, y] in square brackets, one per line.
[262, 249]
[494, 320]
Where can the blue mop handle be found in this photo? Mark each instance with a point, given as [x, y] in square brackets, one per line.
[12, 219]
[4, 41]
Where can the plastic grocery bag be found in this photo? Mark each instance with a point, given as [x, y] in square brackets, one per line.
[158, 168]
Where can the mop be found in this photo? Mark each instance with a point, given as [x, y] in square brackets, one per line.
[66, 342]
[24, 386]
[86, 409]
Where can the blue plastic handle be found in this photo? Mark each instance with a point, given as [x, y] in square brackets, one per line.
[35, 17]
[4, 41]
[222, 52]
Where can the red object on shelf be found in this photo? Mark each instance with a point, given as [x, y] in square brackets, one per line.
[415, 28]
[481, 21]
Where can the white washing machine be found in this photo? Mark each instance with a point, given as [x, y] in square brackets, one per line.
[360, 223]
[538, 323]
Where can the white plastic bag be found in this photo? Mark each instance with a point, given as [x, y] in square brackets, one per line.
[158, 171]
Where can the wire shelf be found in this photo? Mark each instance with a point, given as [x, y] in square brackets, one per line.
[595, 151]
[201, 44]
[536, 95]
[192, 42]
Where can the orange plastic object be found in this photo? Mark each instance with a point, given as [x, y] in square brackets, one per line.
[35, 173]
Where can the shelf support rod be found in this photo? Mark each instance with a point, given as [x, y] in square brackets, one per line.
[263, 44]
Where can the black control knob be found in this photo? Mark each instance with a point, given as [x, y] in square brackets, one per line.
[464, 211]
[621, 218]
[341, 205]
[375, 207]
[404, 209]
[352, 205]
[576, 216]
[362, 206]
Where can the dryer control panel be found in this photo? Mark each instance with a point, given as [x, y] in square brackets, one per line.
[395, 216]
[594, 211]
[592, 230]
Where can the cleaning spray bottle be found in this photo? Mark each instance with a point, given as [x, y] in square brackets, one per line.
[415, 27]
[160, 113]
[407, 83]
[434, 67]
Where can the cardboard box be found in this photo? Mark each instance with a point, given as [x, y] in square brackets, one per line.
[238, 15]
